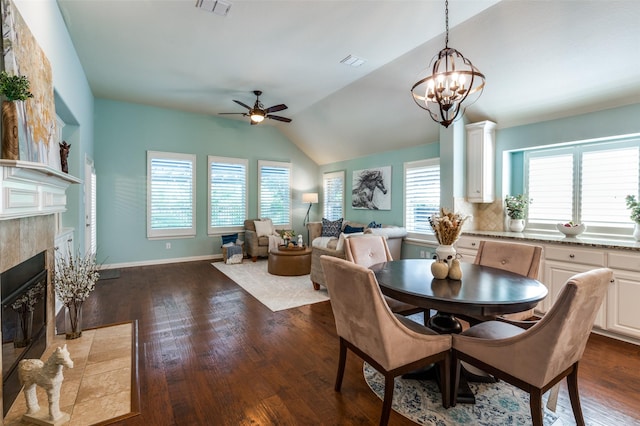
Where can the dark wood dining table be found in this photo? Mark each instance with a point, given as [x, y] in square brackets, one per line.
[482, 292]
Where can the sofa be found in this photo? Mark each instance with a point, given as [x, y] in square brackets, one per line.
[393, 234]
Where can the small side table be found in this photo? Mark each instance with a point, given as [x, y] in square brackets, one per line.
[290, 262]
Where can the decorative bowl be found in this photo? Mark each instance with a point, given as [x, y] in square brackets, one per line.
[570, 229]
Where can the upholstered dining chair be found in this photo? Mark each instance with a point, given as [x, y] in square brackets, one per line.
[390, 343]
[368, 250]
[522, 259]
[538, 358]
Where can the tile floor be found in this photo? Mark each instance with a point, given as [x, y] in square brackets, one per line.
[99, 386]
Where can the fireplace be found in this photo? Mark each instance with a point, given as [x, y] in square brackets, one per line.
[23, 290]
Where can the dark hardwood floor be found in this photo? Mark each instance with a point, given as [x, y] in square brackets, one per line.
[211, 354]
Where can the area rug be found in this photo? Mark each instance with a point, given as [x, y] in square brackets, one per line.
[496, 403]
[102, 387]
[275, 292]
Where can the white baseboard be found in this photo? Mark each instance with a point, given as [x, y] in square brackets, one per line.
[159, 261]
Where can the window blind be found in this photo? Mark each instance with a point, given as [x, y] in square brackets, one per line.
[422, 194]
[227, 193]
[333, 186]
[275, 192]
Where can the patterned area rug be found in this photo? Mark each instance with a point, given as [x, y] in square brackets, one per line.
[275, 292]
[496, 403]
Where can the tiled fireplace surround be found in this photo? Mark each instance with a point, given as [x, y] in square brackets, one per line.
[20, 239]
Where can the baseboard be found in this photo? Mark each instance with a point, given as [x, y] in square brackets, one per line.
[160, 261]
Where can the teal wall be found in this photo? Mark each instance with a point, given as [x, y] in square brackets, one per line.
[73, 98]
[124, 132]
[396, 160]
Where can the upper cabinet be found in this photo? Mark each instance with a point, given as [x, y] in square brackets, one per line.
[481, 162]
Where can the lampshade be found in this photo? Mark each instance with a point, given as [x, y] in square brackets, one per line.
[310, 197]
[257, 116]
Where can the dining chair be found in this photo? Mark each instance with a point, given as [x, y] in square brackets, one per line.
[537, 359]
[522, 259]
[368, 250]
[390, 343]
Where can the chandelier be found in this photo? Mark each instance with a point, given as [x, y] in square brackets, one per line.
[453, 80]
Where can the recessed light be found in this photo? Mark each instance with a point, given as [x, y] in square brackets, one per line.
[219, 7]
[353, 61]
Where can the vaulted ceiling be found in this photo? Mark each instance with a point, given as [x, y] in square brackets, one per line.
[542, 60]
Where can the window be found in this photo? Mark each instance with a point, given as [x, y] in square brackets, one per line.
[421, 195]
[274, 192]
[227, 194]
[171, 194]
[583, 183]
[333, 197]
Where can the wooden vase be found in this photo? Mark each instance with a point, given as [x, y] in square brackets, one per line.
[10, 146]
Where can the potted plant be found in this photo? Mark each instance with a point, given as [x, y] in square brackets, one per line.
[13, 88]
[634, 206]
[516, 206]
[75, 279]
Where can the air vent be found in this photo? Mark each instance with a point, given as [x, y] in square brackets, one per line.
[353, 61]
[219, 7]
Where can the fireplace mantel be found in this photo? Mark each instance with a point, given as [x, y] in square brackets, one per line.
[32, 189]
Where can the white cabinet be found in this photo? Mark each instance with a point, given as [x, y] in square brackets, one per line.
[467, 247]
[481, 162]
[624, 294]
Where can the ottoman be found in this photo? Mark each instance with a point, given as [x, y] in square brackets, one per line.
[289, 262]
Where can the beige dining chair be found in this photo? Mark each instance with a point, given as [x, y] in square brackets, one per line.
[537, 359]
[368, 250]
[521, 259]
[390, 343]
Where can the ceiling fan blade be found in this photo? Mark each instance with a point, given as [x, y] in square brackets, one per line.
[232, 113]
[278, 118]
[242, 104]
[276, 108]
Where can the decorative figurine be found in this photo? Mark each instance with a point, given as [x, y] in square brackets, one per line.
[64, 154]
[300, 241]
[47, 375]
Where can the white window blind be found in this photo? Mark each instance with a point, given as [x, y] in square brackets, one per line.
[421, 194]
[583, 183]
[333, 187]
[274, 181]
[171, 194]
[227, 194]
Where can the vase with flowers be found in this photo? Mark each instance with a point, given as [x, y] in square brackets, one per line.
[75, 279]
[447, 227]
[634, 206]
[516, 206]
[13, 89]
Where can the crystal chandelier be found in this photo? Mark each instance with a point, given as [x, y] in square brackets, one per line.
[453, 80]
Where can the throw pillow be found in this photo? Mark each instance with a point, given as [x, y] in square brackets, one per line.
[264, 228]
[331, 228]
[348, 229]
[229, 238]
[374, 225]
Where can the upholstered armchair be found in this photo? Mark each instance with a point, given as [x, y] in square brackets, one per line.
[369, 250]
[538, 358]
[257, 240]
[390, 343]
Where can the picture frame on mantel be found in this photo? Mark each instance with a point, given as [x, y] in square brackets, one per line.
[371, 189]
[36, 116]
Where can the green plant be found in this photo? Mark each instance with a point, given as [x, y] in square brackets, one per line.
[634, 205]
[516, 206]
[14, 87]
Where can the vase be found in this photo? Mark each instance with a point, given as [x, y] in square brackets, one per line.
[636, 232]
[516, 225]
[10, 146]
[73, 320]
[446, 252]
[23, 329]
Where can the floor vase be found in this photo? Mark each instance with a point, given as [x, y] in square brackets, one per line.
[73, 320]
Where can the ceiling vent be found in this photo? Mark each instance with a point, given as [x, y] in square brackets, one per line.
[353, 61]
[219, 7]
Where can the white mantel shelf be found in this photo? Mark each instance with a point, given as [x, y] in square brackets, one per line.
[32, 189]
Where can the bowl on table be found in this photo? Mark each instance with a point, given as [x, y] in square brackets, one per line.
[571, 229]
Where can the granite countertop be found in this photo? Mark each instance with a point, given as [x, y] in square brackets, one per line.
[557, 238]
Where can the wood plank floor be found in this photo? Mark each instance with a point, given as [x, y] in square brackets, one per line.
[211, 354]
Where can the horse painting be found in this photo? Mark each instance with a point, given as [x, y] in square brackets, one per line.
[364, 189]
[47, 375]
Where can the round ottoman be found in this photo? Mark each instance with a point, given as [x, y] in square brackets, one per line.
[290, 262]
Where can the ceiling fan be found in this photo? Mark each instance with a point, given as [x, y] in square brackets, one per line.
[258, 113]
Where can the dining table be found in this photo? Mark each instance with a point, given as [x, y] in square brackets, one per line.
[483, 291]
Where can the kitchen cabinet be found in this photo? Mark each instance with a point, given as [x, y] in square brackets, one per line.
[481, 162]
[624, 294]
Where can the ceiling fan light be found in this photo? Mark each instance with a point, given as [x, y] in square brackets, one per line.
[257, 116]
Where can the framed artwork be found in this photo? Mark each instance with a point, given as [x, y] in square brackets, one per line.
[371, 189]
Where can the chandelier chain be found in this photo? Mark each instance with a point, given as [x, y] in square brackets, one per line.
[446, 20]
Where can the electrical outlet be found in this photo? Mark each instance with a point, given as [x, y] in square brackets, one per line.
[167, 246]
[422, 254]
